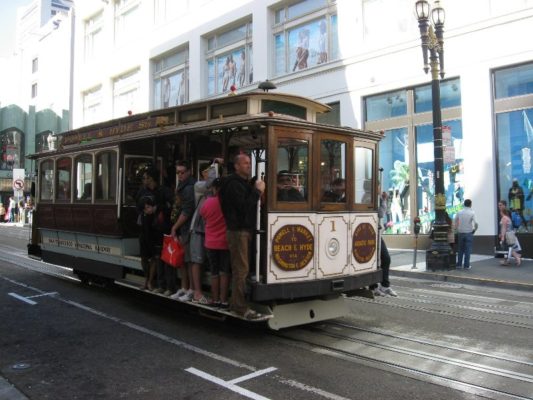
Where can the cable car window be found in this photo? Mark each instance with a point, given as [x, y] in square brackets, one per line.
[46, 180]
[106, 176]
[281, 107]
[363, 175]
[84, 177]
[292, 170]
[333, 171]
[63, 176]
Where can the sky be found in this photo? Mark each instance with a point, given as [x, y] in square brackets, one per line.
[8, 15]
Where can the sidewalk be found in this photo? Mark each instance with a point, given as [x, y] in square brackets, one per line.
[19, 224]
[486, 270]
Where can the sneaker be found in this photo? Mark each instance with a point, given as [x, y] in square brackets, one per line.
[378, 292]
[388, 291]
[224, 306]
[252, 315]
[205, 301]
[178, 294]
[167, 293]
[469, 267]
[187, 296]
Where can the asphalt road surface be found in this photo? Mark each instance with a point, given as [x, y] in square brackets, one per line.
[60, 339]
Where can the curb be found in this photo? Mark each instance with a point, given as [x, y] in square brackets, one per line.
[463, 279]
[9, 391]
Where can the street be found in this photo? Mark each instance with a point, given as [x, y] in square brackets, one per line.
[63, 340]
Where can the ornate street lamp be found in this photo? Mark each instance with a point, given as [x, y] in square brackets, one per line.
[440, 255]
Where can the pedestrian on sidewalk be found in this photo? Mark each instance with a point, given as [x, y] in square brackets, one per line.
[2, 212]
[466, 225]
[12, 209]
[508, 237]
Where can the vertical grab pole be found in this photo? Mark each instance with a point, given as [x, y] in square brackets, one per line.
[119, 192]
[380, 233]
[257, 156]
[257, 240]
[417, 231]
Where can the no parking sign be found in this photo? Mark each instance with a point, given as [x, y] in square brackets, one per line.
[18, 182]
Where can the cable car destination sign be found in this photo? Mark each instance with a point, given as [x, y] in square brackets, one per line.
[364, 243]
[293, 247]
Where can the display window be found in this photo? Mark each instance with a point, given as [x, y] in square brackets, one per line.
[305, 35]
[513, 96]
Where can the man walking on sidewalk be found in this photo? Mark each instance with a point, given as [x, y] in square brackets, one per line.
[466, 224]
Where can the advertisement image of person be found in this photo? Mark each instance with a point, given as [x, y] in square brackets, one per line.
[226, 72]
[165, 92]
[302, 51]
[232, 69]
[516, 204]
[322, 43]
[242, 70]
[180, 99]
[396, 207]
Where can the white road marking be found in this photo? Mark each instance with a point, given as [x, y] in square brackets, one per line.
[311, 389]
[252, 375]
[41, 295]
[22, 298]
[227, 385]
[206, 353]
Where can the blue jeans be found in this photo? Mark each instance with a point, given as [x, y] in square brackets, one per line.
[465, 248]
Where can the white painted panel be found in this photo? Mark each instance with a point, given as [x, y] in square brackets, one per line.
[333, 245]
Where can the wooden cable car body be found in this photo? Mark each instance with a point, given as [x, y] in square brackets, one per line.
[309, 250]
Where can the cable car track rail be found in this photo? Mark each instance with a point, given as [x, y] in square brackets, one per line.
[490, 375]
[459, 311]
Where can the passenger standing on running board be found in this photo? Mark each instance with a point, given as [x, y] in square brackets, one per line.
[384, 288]
[239, 199]
[466, 225]
[181, 229]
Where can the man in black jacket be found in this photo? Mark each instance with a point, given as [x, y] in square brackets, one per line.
[153, 206]
[184, 209]
[239, 200]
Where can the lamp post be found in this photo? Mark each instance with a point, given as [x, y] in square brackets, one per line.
[440, 255]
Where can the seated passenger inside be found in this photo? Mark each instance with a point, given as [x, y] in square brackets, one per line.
[286, 188]
[87, 191]
[367, 194]
[337, 193]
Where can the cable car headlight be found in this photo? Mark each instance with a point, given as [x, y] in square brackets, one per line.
[333, 247]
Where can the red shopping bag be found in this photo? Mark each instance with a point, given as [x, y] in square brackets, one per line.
[172, 253]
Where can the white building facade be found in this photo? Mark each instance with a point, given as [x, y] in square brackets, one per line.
[35, 86]
[363, 57]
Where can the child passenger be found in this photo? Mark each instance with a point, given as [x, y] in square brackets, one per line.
[217, 247]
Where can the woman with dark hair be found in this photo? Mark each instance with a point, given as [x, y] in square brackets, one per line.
[507, 235]
[216, 246]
